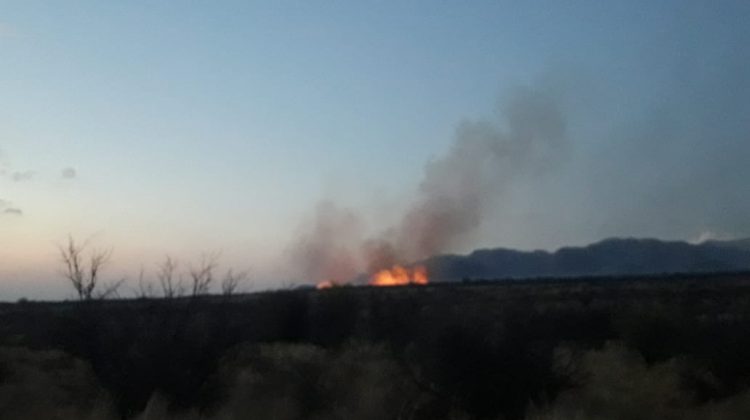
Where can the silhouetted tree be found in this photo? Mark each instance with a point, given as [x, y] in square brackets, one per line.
[202, 276]
[85, 279]
[171, 285]
[145, 288]
[232, 281]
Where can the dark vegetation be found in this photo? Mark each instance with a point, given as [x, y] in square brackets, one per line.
[479, 349]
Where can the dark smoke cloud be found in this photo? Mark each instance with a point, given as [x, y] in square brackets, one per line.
[457, 191]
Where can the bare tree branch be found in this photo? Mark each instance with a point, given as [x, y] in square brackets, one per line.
[110, 290]
[171, 286]
[203, 275]
[231, 281]
[85, 279]
[145, 288]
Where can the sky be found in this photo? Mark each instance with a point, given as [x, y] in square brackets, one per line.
[181, 128]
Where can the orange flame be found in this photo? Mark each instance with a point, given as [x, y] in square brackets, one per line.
[325, 284]
[400, 276]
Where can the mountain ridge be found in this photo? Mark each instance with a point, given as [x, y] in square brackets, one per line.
[611, 256]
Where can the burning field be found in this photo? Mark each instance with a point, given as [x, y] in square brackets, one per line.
[400, 276]
[335, 246]
[395, 276]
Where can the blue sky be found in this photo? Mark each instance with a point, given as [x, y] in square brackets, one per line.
[219, 125]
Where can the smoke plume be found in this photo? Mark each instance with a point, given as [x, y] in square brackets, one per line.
[457, 191]
[327, 248]
[459, 188]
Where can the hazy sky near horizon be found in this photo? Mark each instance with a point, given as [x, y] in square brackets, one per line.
[182, 127]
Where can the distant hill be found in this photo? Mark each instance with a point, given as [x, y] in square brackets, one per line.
[733, 243]
[616, 256]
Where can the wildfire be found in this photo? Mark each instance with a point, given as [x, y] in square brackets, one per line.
[395, 276]
[325, 284]
[400, 276]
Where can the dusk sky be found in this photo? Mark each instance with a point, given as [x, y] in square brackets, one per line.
[179, 128]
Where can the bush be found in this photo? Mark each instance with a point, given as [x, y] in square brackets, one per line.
[49, 385]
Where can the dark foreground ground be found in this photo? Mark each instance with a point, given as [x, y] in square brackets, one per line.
[669, 347]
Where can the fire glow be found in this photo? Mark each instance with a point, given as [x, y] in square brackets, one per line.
[325, 284]
[400, 276]
[395, 276]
